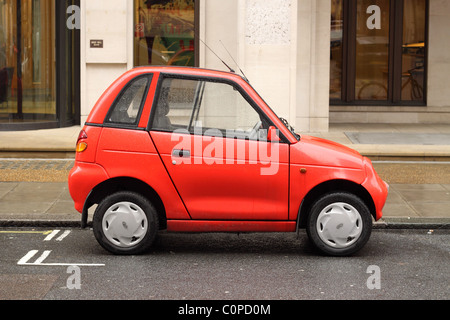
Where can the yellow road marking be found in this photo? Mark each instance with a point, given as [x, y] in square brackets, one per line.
[27, 232]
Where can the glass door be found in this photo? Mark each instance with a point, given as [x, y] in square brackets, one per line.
[378, 52]
[68, 66]
[413, 50]
[337, 48]
[39, 65]
[372, 49]
[27, 55]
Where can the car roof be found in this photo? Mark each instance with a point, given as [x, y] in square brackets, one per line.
[195, 71]
[98, 113]
[99, 110]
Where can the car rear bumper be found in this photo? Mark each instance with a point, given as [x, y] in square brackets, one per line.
[83, 178]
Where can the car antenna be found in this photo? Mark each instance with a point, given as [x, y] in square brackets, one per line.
[226, 65]
[242, 72]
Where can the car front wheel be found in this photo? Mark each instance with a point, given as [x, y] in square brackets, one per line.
[125, 223]
[339, 224]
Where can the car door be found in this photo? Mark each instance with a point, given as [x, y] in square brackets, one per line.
[213, 141]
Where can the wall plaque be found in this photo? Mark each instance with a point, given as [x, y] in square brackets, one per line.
[96, 43]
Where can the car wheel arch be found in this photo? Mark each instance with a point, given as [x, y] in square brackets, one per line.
[117, 184]
[332, 186]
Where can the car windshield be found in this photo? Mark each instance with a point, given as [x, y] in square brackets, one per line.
[290, 128]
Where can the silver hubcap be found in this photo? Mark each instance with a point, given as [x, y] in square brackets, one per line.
[339, 225]
[125, 224]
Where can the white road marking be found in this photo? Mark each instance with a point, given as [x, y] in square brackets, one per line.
[27, 257]
[40, 261]
[54, 233]
[42, 257]
[51, 235]
[61, 237]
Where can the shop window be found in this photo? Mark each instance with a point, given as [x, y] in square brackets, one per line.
[378, 52]
[165, 32]
[27, 71]
[39, 65]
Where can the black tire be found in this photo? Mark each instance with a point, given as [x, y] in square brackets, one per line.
[339, 224]
[125, 223]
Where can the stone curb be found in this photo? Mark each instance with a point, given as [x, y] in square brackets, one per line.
[389, 223]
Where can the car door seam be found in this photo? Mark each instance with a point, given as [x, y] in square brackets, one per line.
[170, 177]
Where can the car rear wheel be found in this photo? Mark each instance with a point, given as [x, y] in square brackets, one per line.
[339, 224]
[125, 223]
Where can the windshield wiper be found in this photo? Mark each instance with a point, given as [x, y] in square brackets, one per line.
[290, 128]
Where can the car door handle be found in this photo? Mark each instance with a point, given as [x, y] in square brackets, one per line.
[181, 153]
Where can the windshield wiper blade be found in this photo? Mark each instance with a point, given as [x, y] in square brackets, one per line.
[290, 128]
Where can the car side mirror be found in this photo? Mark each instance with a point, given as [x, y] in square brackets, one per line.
[272, 134]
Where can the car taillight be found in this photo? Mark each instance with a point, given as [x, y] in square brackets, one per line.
[82, 135]
[81, 145]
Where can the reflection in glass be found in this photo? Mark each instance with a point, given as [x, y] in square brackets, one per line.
[27, 61]
[413, 51]
[164, 32]
[372, 50]
[337, 28]
[69, 71]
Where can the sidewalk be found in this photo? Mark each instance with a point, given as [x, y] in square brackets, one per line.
[50, 143]
[49, 204]
[416, 142]
[377, 141]
[35, 192]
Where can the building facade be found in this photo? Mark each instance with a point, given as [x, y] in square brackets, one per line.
[315, 62]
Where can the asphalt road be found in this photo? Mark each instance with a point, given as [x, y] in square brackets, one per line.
[46, 264]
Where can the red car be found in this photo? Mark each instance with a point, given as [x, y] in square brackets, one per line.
[194, 150]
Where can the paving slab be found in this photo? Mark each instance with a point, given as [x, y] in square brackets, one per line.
[36, 200]
[399, 138]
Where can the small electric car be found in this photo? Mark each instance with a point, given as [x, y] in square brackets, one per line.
[196, 150]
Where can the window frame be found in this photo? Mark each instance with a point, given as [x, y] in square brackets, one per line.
[348, 76]
[135, 124]
[236, 86]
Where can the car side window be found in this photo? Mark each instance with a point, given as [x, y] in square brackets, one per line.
[128, 106]
[175, 104]
[205, 107]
